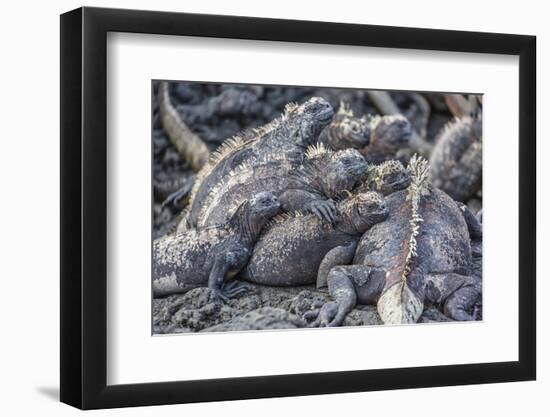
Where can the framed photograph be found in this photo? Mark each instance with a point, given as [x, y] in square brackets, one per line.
[256, 208]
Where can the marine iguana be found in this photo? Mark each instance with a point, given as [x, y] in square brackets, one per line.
[295, 246]
[420, 255]
[346, 130]
[387, 106]
[456, 160]
[285, 137]
[310, 187]
[189, 145]
[389, 134]
[385, 178]
[209, 256]
[232, 100]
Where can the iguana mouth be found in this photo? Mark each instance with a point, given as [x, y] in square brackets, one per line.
[358, 170]
[326, 117]
[360, 139]
[399, 183]
[406, 135]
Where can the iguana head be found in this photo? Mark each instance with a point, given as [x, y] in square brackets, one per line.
[390, 133]
[359, 212]
[386, 178]
[348, 131]
[340, 171]
[252, 215]
[308, 119]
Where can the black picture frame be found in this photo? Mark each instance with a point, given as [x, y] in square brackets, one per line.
[84, 207]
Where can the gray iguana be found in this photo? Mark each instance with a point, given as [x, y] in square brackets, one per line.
[456, 160]
[389, 134]
[420, 255]
[285, 137]
[295, 246]
[310, 187]
[211, 255]
[346, 130]
[385, 178]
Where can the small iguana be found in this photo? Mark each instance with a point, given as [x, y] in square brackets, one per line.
[346, 130]
[211, 255]
[385, 178]
[456, 160]
[285, 137]
[389, 134]
[310, 187]
[295, 246]
[420, 255]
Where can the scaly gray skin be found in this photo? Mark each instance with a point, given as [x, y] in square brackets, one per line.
[346, 131]
[389, 134]
[456, 159]
[309, 188]
[296, 246]
[421, 255]
[209, 256]
[385, 178]
[286, 137]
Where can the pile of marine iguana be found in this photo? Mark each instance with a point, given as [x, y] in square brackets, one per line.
[315, 217]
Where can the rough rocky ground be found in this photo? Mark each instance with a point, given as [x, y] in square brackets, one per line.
[262, 308]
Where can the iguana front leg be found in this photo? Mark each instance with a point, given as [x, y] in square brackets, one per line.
[472, 221]
[300, 200]
[340, 255]
[223, 264]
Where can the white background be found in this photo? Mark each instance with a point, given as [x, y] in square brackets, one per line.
[30, 222]
[133, 60]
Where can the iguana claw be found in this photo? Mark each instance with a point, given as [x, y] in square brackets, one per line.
[326, 316]
[231, 289]
[325, 210]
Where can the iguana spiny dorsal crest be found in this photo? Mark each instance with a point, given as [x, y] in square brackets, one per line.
[310, 187]
[287, 137]
[420, 255]
[346, 130]
[456, 160]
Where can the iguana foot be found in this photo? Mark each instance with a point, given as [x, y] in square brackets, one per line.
[229, 290]
[324, 209]
[234, 288]
[174, 198]
[329, 315]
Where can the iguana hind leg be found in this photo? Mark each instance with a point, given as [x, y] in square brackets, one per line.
[348, 285]
[340, 255]
[458, 294]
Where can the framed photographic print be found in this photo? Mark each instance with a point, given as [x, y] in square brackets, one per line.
[257, 208]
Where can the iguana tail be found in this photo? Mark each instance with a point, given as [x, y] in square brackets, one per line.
[190, 146]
